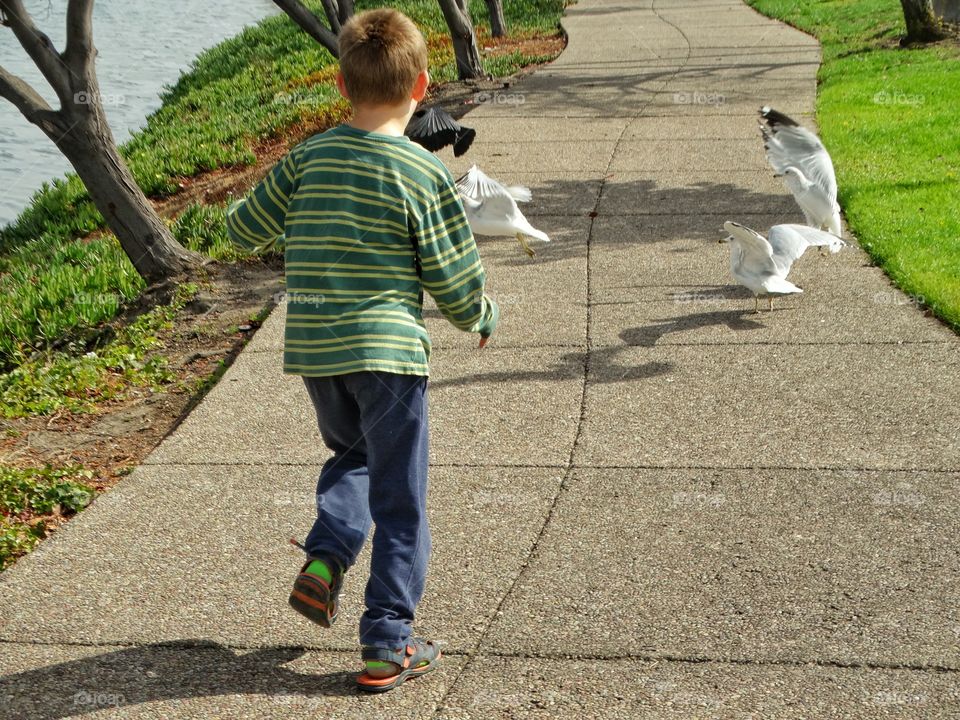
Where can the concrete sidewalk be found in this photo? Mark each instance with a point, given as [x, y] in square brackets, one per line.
[647, 502]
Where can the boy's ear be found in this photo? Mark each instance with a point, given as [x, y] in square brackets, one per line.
[342, 85]
[420, 86]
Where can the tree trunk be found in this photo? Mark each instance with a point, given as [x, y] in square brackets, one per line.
[457, 15]
[332, 11]
[154, 252]
[310, 23]
[87, 142]
[498, 27]
[924, 24]
[346, 11]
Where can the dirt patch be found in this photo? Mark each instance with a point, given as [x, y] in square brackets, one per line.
[528, 45]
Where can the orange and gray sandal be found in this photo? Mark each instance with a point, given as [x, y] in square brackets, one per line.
[418, 658]
[315, 598]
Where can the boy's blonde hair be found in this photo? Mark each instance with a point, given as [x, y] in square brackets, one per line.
[381, 54]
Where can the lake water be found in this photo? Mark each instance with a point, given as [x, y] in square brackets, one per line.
[142, 46]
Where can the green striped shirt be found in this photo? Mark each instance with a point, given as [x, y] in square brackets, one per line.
[368, 221]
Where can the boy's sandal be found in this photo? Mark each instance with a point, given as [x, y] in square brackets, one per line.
[315, 598]
[418, 658]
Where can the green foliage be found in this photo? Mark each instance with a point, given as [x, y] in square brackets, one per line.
[17, 538]
[27, 492]
[203, 229]
[54, 289]
[41, 490]
[888, 117]
[66, 380]
[523, 15]
[508, 63]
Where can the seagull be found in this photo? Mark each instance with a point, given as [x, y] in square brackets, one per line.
[797, 155]
[762, 265]
[492, 208]
[434, 128]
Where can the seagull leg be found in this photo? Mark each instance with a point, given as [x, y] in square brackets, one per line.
[770, 303]
[756, 304]
[526, 247]
[823, 251]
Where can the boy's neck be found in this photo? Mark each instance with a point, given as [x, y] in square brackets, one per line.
[383, 119]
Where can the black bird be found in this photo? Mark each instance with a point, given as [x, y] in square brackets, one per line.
[434, 128]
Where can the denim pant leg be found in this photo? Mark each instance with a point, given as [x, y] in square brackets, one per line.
[394, 421]
[343, 515]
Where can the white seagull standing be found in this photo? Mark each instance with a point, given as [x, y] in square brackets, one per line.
[762, 265]
[800, 158]
[492, 208]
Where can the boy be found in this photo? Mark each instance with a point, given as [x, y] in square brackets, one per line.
[369, 220]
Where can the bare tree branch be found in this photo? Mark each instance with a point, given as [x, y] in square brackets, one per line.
[308, 22]
[38, 46]
[346, 11]
[332, 11]
[80, 51]
[27, 100]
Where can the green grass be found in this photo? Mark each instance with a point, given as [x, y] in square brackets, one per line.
[67, 380]
[61, 289]
[203, 229]
[26, 493]
[888, 117]
[247, 90]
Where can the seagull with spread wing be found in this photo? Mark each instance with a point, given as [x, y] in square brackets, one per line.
[492, 208]
[797, 155]
[434, 128]
[763, 263]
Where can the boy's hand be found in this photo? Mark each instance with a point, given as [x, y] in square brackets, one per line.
[490, 325]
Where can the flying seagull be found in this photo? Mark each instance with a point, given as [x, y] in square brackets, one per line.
[762, 264]
[800, 158]
[492, 208]
[434, 128]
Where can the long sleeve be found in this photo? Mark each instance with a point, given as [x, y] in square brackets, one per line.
[450, 265]
[257, 222]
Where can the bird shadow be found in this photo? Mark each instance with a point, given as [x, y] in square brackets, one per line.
[650, 335]
[162, 672]
[600, 366]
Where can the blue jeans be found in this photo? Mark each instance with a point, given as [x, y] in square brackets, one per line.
[376, 425]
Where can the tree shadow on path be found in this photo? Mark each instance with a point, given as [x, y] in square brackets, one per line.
[171, 671]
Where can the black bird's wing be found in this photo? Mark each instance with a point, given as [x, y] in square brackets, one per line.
[434, 128]
[464, 141]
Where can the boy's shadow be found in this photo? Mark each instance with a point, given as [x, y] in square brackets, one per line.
[168, 671]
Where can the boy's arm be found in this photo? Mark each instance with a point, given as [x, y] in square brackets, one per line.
[450, 265]
[256, 223]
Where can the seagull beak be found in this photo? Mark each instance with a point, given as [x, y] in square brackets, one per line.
[728, 238]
